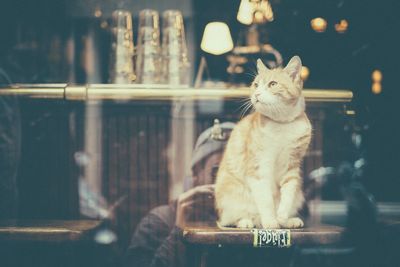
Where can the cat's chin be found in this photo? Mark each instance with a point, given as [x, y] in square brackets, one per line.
[280, 113]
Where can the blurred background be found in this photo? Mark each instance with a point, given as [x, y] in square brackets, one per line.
[343, 43]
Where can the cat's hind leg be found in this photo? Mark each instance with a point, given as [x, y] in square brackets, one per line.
[235, 208]
[236, 214]
[245, 223]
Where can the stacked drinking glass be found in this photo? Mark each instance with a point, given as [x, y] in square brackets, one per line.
[176, 67]
[122, 48]
[148, 63]
[169, 65]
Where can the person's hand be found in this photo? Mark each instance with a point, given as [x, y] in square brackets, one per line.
[196, 199]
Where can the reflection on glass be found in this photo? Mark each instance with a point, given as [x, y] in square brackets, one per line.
[10, 150]
[157, 239]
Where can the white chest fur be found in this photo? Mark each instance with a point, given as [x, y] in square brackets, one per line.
[277, 144]
[283, 133]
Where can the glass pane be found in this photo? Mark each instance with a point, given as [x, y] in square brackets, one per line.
[172, 133]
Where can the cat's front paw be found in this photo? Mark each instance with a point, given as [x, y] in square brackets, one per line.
[270, 224]
[282, 219]
[245, 223]
[291, 223]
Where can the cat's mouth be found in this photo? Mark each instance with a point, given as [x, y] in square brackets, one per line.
[256, 100]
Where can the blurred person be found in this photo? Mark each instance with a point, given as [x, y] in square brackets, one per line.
[157, 239]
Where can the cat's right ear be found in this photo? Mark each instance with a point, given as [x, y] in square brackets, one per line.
[261, 67]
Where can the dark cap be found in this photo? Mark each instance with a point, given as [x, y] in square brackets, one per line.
[211, 140]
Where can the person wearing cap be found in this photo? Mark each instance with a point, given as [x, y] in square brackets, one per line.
[157, 239]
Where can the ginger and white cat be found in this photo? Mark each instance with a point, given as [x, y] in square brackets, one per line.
[259, 180]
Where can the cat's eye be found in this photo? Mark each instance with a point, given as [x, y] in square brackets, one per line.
[256, 84]
[272, 83]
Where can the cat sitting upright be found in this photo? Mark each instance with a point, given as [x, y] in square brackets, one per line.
[259, 180]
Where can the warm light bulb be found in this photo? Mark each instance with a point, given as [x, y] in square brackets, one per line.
[341, 27]
[376, 76]
[258, 16]
[376, 88]
[265, 6]
[98, 12]
[217, 38]
[104, 24]
[350, 112]
[305, 72]
[319, 24]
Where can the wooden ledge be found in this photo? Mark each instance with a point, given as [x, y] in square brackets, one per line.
[213, 235]
[46, 230]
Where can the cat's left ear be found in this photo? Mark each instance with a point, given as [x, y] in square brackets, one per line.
[293, 68]
[261, 67]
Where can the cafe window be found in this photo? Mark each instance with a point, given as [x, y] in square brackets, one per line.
[198, 133]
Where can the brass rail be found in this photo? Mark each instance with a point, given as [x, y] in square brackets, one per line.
[151, 92]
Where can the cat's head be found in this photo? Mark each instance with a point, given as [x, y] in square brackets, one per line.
[277, 93]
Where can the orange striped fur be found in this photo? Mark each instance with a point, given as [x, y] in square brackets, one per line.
[259, 181]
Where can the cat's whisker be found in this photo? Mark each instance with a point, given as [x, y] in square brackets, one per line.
[242, 105]
[243, 110]
[244, 102]
[244, 99]
[247, 107]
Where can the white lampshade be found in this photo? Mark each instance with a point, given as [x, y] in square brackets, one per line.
[245, 12]
[217, 38]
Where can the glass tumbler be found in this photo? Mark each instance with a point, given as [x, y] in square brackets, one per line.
[148, 61]
[122, 48]
[176, 66]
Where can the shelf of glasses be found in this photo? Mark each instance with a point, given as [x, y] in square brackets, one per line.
[152, 92]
